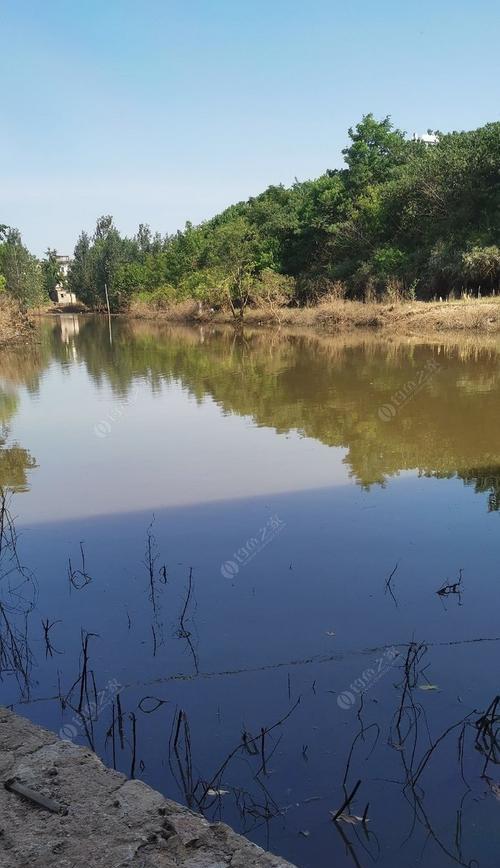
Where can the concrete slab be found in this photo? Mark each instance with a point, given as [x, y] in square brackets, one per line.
[111, 822]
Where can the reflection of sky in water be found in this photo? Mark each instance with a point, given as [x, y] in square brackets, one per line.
[305, 617]
[159, 449]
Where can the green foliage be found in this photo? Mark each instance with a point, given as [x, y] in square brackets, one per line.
[375, 151]
[482, 266]
[402, 218]
[51, 273]
[22, 273]
[204, 285]
[272, 289]
[120, 266]
[80, 272]
[159, 298]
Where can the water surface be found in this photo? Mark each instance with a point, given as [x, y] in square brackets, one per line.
[241, 502]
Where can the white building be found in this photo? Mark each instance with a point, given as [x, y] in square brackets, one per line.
[62, 293]
[426, 138]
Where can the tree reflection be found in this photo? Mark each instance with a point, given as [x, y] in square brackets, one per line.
[444, 393]
[327, 388]
[14, 460]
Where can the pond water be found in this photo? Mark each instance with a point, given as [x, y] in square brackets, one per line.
[226, 569]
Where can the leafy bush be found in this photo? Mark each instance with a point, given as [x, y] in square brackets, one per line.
[271, 288]
[482, 266]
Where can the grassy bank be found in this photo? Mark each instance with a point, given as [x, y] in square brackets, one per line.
[336, 315]
[15, 326]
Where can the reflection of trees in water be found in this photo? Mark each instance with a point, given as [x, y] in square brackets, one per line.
[486, 480]
[14, 465]
[19, 366]
[22, 366]
[325, 387]
[14, 460]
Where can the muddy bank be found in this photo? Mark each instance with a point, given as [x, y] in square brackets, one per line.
[466, 316]
[337, 316]
[15, 325]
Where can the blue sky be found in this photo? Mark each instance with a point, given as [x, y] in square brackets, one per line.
[163, 111]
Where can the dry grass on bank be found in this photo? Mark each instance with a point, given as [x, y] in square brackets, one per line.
[336, 315]
[15, 326]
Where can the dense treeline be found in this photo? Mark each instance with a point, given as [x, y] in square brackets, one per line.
[402, 219]
[26, 279]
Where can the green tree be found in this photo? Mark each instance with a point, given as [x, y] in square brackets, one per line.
[51, 273]
[482, 266]
[21, 270]
[236, 246]
[80, 271]
[376, 149]
[400, 216]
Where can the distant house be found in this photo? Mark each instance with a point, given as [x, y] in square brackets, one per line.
[426, 138]
[61, 294]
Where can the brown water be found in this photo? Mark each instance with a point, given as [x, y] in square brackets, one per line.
[290, 475]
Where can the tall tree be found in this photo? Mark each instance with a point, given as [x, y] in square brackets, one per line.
[80, 271]
[375, 149]
[52, 273]
[22, 271]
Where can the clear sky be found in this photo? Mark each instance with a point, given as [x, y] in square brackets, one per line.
[163, 111]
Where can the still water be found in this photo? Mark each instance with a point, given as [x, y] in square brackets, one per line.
[229, 551]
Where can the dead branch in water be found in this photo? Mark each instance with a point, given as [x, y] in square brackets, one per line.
[78, 697]
[78, 579]
[49, 648]
[388, 586]
[347, 801]
[155, 577]
[15, 653]
[18, 592]
[452, 588]
[202, 793]
[183, 632]
[488, 734]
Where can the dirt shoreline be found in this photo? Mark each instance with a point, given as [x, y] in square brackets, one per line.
[332, 317]
[16, 327]
[337, 316]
